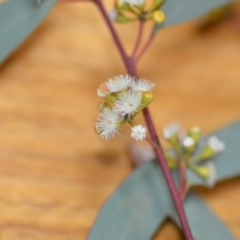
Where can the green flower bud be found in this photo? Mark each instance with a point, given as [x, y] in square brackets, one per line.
[195, 134]
[171, 161]
[203, 171]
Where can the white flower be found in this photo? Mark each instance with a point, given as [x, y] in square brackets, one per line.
[128, 103]
[134, 2]
[119, 83]
[113, 14]
[195, 129]
[213, 176]
[188, 142]
[142, 85]
[141, 153]
[170, 130]
[108, 123]
[216, 144]
[139, 132]
[101, 94]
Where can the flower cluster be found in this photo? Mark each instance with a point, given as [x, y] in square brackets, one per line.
[131, 10]
[184, 148]
[124, 97]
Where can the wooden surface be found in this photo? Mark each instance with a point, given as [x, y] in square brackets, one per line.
[55, 173]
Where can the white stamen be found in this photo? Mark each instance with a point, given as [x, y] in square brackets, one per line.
[128, 103]
[170, 130]
[195, 129]
[101, 94]
[134, 2]
[141, 153]
[119, 83]
[213, 176]
[188, 142]
[139, 132]
[142, 85]
[113, 14]
[107, 125]
[216, 144]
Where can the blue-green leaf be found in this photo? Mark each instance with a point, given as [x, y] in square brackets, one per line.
[17, 20]
[136, 209]
[226, 163]
[184, 10]
[203, 223]
[142, 202]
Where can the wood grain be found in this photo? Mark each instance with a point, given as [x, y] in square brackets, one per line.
[55, 173]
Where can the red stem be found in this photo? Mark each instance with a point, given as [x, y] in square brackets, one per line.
[182, 177]
[131, 68]
[140, 31]
[148, 43]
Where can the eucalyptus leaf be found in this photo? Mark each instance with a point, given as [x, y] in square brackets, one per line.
[143, 202]
[203, 222]
[184, 10]
[227, 163]
[18, 19]
[136, 209]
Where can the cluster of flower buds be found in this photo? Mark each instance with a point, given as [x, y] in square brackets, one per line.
[185, 147]
[124, 97]
[130, 10]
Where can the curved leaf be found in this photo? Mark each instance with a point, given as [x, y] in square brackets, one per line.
[226, 163]
[17, 20]
[184, 10]
[136, 209]
[143, 202]
[203, 223]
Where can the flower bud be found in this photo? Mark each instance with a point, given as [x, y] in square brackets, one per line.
[203, 171]
[104, 105]
[171, 161]
[158, 16]
[189, 144]
[195, 134]
[156, 4]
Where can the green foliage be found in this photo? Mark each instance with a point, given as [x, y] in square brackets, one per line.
[184, 10]
[142, 202]
[18, 19]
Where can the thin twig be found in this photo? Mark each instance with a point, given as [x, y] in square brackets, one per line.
[182, 176]
[146, 46]
[130, 65]
[185, 191]
[139, 37]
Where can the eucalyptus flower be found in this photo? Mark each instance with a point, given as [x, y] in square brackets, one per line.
[170, 130]
[134, 2]
[108, 123]
[139, 132]
[119, 83]
[142, 85]
[216, 144]
[128, 103]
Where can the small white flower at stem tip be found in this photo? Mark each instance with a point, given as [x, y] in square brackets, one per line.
[101, 94]
[142, 85]
[128, 103]
[141, 153]
[170, 130]
[38, 2]
[188, 142]
[107, 123]
[213, 176]
[139, 132]
[113, 14]
[119, 83]
[134, 2]
[216, 144]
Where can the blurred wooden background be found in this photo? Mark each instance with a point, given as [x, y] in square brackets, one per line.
[55, 173]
